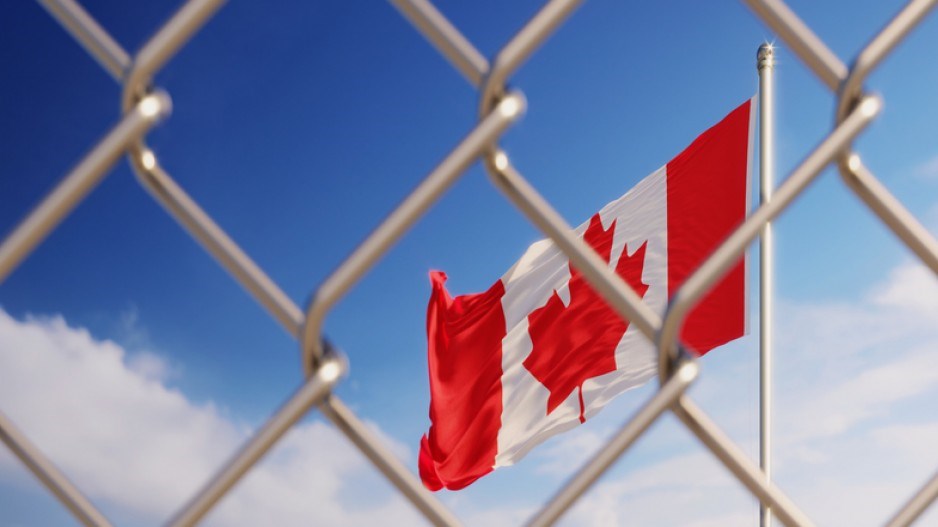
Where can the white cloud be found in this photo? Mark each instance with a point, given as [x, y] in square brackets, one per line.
[137, 447]
[150, 366]
[509, 515]
[315, 477]
[927, 169]
[571, 449]
[689, 489]
[911, 287]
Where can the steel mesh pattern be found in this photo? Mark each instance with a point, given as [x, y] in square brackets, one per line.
[144, 106]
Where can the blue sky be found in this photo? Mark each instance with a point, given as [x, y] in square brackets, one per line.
[299, 125]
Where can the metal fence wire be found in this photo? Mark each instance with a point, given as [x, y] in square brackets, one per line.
[145, 105]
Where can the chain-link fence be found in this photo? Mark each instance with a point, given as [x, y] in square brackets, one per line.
[144, 105]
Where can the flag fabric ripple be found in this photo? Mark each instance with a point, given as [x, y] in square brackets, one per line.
[540, 352]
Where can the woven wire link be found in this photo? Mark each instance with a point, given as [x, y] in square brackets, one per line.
[144, 106]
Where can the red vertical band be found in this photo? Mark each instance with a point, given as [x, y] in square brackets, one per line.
[707, 193]
[465, 356]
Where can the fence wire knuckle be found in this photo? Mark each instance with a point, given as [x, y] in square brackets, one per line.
[499, 106]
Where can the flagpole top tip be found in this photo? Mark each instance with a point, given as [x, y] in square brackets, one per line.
[766, 55]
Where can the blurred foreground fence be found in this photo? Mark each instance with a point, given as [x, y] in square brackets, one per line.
[145, 105]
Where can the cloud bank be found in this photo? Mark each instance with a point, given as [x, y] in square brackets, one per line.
[138, 448]
[854, 438]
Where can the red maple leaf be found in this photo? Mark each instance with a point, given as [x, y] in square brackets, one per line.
[577, 342]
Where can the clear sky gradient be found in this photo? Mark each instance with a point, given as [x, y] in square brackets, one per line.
[139, 365]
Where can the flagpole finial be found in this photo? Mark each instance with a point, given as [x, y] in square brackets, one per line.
[765, 56]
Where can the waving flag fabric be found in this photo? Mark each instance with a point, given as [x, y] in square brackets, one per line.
[540, 352]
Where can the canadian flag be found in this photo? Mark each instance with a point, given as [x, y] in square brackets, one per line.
[540, 352]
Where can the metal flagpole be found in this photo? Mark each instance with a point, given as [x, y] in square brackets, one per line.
[766, 67]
